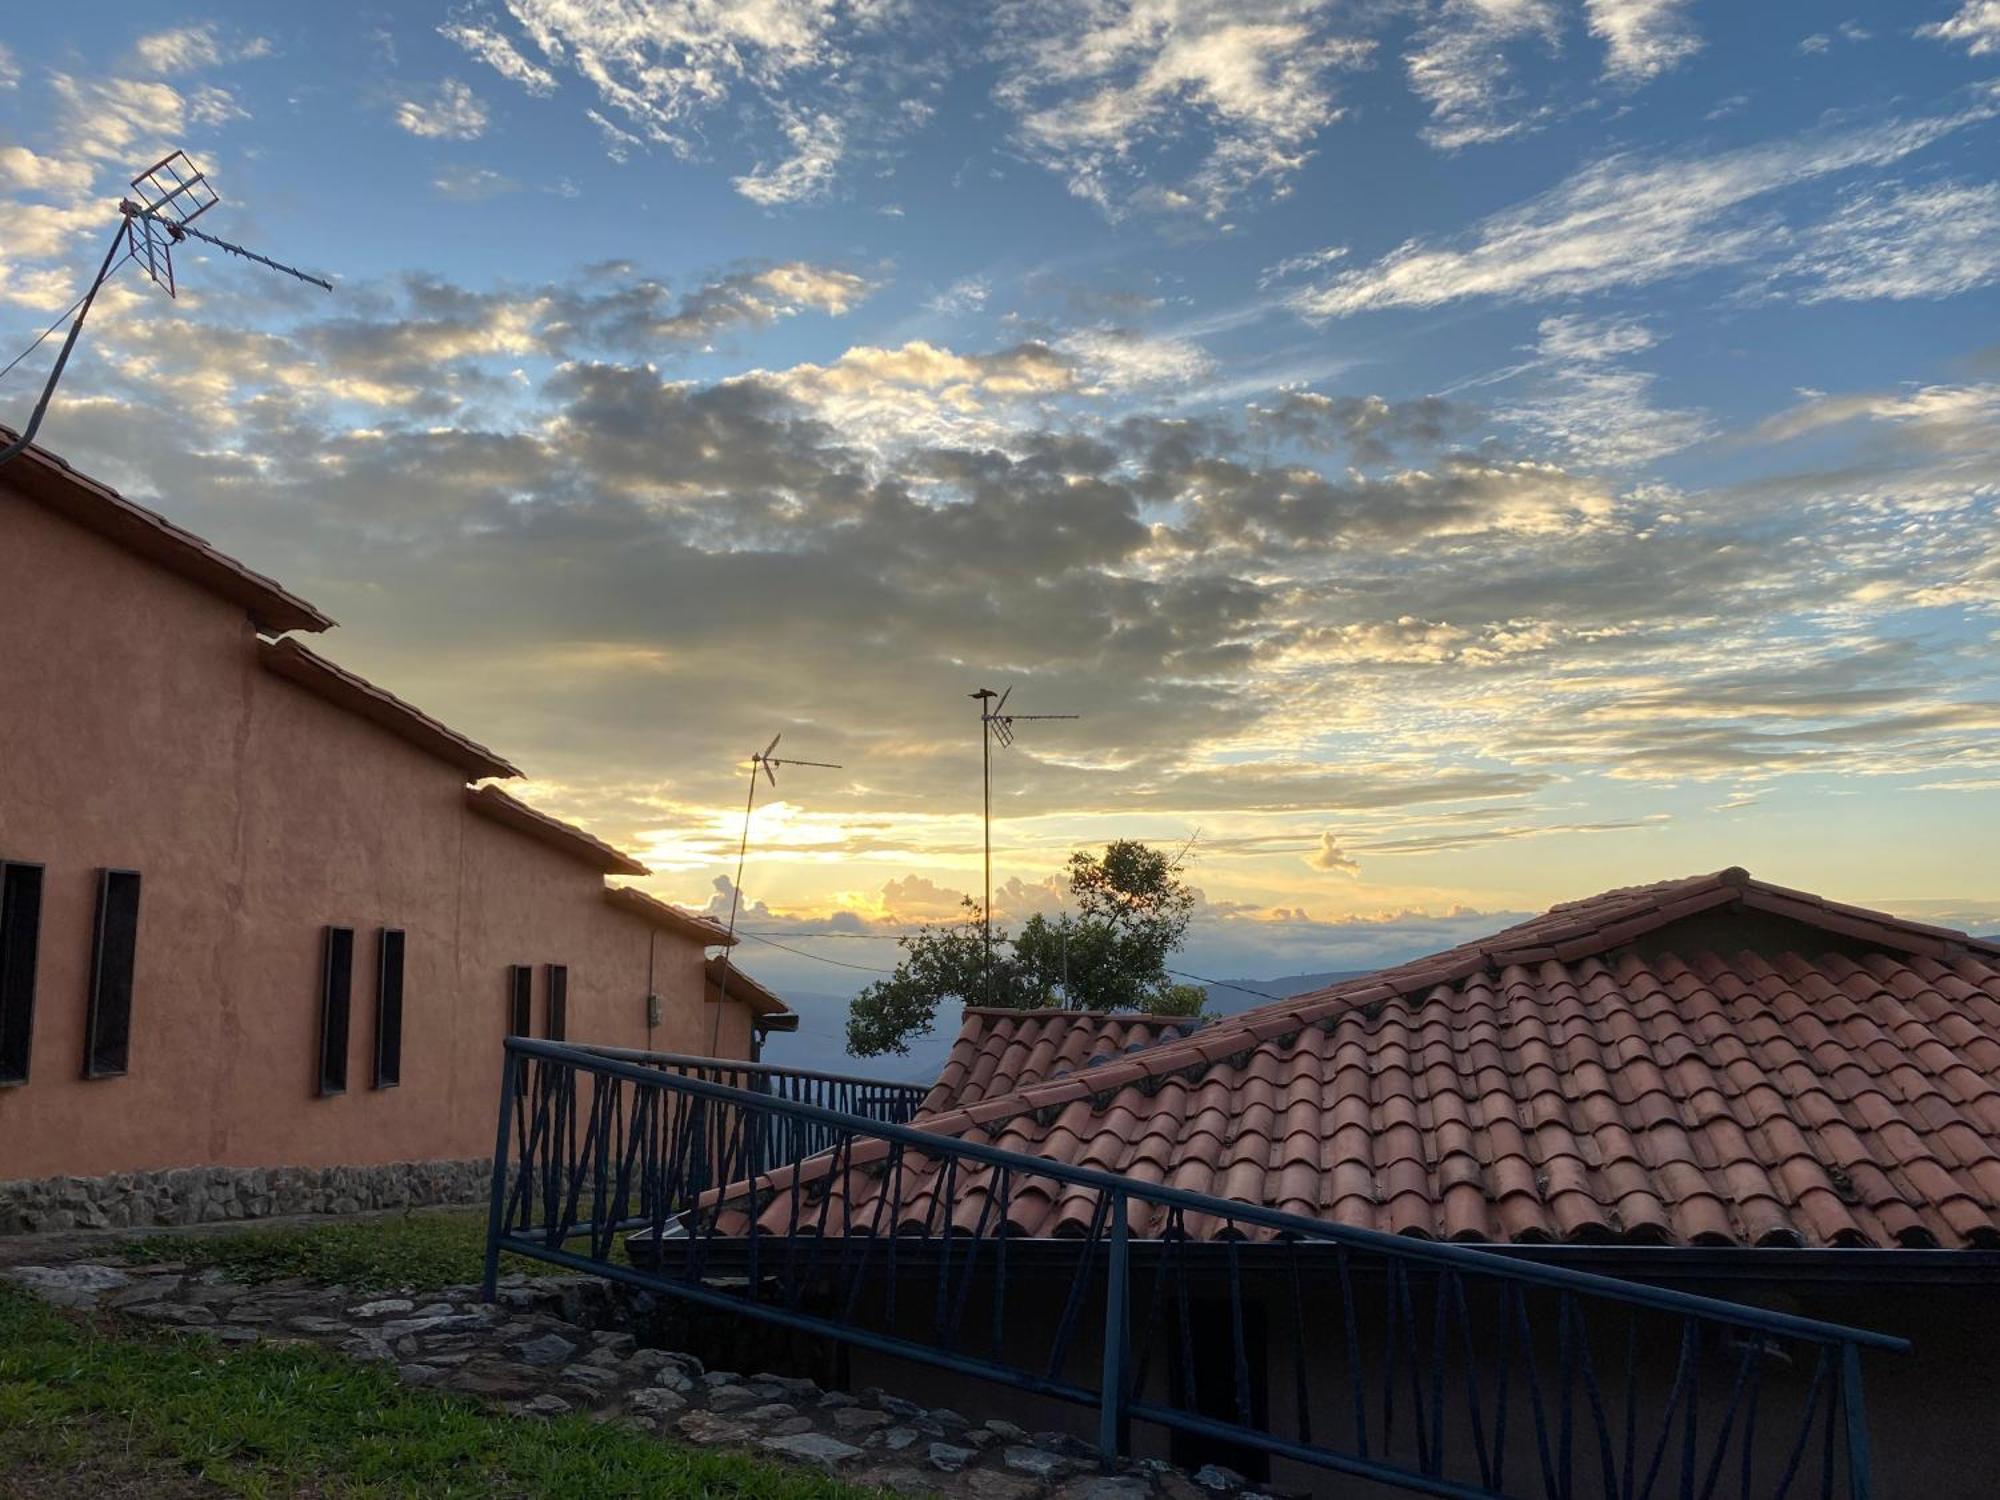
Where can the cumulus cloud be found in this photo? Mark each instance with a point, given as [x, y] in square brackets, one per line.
[1975, 25]
[1624, 221]
[453, 113]
[1097, 90]
[23, 171]
[1331, 857]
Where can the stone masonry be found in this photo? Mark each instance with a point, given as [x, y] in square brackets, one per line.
[535, 1354]
[214, 1195]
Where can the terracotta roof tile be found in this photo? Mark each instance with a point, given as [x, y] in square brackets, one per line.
[1550, 1082]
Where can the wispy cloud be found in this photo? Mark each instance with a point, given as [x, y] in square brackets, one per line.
[490, 46]
[816, 142]
[1897, 243]
[1642, 38]
[1588, 403]
[1098, 89]
[183, 49]
[453, 113]
[1458, 66]
[1626, 221]
[1976, 25]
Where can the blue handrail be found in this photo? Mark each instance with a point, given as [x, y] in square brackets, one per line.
[688, 1161]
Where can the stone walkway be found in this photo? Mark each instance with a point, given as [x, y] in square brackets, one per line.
[536, 1354]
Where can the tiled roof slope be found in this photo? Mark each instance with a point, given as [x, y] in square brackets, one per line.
[1596, 1073]
[1000, 1050]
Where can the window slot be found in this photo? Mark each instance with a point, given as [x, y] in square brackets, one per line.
[389, 1008]
[520, 1000]
[336, 992]
[20, 938]
[114, 955]
[557, 1027]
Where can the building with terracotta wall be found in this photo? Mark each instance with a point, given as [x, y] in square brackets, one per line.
[210, 835]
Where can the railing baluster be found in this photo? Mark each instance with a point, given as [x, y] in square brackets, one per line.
[708, 1149]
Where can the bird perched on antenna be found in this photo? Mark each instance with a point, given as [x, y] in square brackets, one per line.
[166, 200]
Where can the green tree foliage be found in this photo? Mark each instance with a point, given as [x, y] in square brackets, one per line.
[1131, 914]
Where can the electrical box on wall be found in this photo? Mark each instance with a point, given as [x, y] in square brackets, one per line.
[652, 1010]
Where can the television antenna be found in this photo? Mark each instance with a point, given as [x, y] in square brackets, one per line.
[766, 760]
[995, 723]
[166, 200]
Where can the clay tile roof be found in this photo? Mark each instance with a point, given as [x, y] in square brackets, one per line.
[293, 662]
[95, 506]
[1708, 1061]
[763, 1002]
[565, 838]
[667, 917]
[1000, 1050]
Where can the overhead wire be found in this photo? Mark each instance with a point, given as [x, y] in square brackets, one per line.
[42, 336]
[816, 957]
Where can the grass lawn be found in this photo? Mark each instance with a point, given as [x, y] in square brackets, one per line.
[89, 1410]
[423, 1251]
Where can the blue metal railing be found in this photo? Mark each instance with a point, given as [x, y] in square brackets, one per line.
[1434, 1367]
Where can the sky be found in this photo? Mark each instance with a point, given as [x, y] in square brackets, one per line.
[1454, 456]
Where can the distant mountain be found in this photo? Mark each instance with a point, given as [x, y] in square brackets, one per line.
[1232, 996]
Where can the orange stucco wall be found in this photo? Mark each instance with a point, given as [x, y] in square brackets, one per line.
[138, 731]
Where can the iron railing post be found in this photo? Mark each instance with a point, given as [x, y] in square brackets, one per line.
[1114, 1428]
[1858, 1462]
[496, 1209]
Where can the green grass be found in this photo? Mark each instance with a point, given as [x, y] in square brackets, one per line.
[421, 1251]
[89, 1409]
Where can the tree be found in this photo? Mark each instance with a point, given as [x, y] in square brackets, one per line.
[1132, 912]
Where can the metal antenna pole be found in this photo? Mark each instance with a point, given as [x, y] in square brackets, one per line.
[171, 194]
[41, 407]
[761, 760]
[996, 723]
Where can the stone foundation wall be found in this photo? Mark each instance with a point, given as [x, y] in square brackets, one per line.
[214, 1195]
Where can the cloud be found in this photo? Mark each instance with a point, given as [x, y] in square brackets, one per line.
[638, 313]
[1458, 67]
[1643, 38]
[816, 142]
[1099, 90]
[1331, 857]
[10, 71]
[1590, 406]
[1976, 24]
[1897, 243]
[966, 295]
[491, 47]
[183, 49]
[1624, 222]
[21, 170]
[453, 113]
[474, 184]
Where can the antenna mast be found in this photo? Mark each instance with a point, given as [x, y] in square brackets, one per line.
[996, 724]
[761, 760]
[166, 199]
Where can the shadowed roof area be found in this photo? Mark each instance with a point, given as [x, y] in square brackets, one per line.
[41, 476]
[564, 838]
[1710, 1061]
[313, 672]
[763, 1002]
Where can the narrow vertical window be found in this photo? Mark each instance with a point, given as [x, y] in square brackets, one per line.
[114, 953]
[20, 937]
[558, 1016]
[389, 1009]
[520, 1000]
[336, 987]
